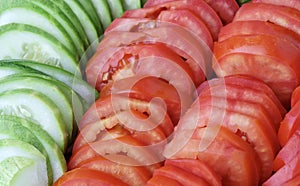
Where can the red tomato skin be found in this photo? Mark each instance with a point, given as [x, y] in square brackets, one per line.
[295, 96]
[287, 3]
[244, 165]
[144, 156]
[180, 175]
[190, 21]
[200, 8]
[257, 27]
[290, 124]
[286, 173]
[148, 88]
[131, 175]
[280, 77]
[160, 180]
[288, 151]
[261, 45]
[84, 176]
[280, 15]
[106, 107]
[198, 168]
[249, 83]
[226, 9]
[232, 90]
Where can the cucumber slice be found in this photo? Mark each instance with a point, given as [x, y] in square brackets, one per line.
[20, 41]
[116, 8]
[13, 168]
[36, 175]
[131, 4]
[7, 69]
[81, 87]
[91, 11]
[84, 19]
[56, 157]
[65, 16]
[12, 130]
[28, 13]
[39, 108]
[42, 85]
[103, 12]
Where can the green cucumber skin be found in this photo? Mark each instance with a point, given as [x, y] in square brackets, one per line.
[10, 98]
[8, 4]
[116, 8]
[19, 132]
[81, 87]
[61, 10]
[41, 84]
[103, 12]
[91, 11]
[72, 65]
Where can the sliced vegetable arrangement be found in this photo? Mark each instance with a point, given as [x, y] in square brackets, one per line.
[179, 92]
[45, 45]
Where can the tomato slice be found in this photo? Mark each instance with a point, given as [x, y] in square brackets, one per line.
[195, 52]
[148, 88]
[243, 107]
[190, 21]
[290, 124]
[286, 173]
[199, 8]
[295, 96]
[248, 83]
[85, 176]
[181, 176]
[287, 3]
[262, 45]
[280, 15]
[159, 180]
[280, 77]
[144, 155]
[288, 152]
[256, 27]
[148, 135]
[293, 181]
[112, 105]
[226, 9]
[198, 168]
[227, 154]
[132, 175]
[245, 94]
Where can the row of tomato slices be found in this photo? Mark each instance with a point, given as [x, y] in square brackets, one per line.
[158, 121]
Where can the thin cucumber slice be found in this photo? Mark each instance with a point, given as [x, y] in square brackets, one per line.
[20, 41]
[131, 4]
[36, 175]
[84, 19]
[103, 12]
[15, 167]
[56, 157]
[7, 69]
[116, 8]
[27, 13]
[90, 10]
[81, 87]
[42, 85]
[65, 16]
[39, 108]
[12, 130]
